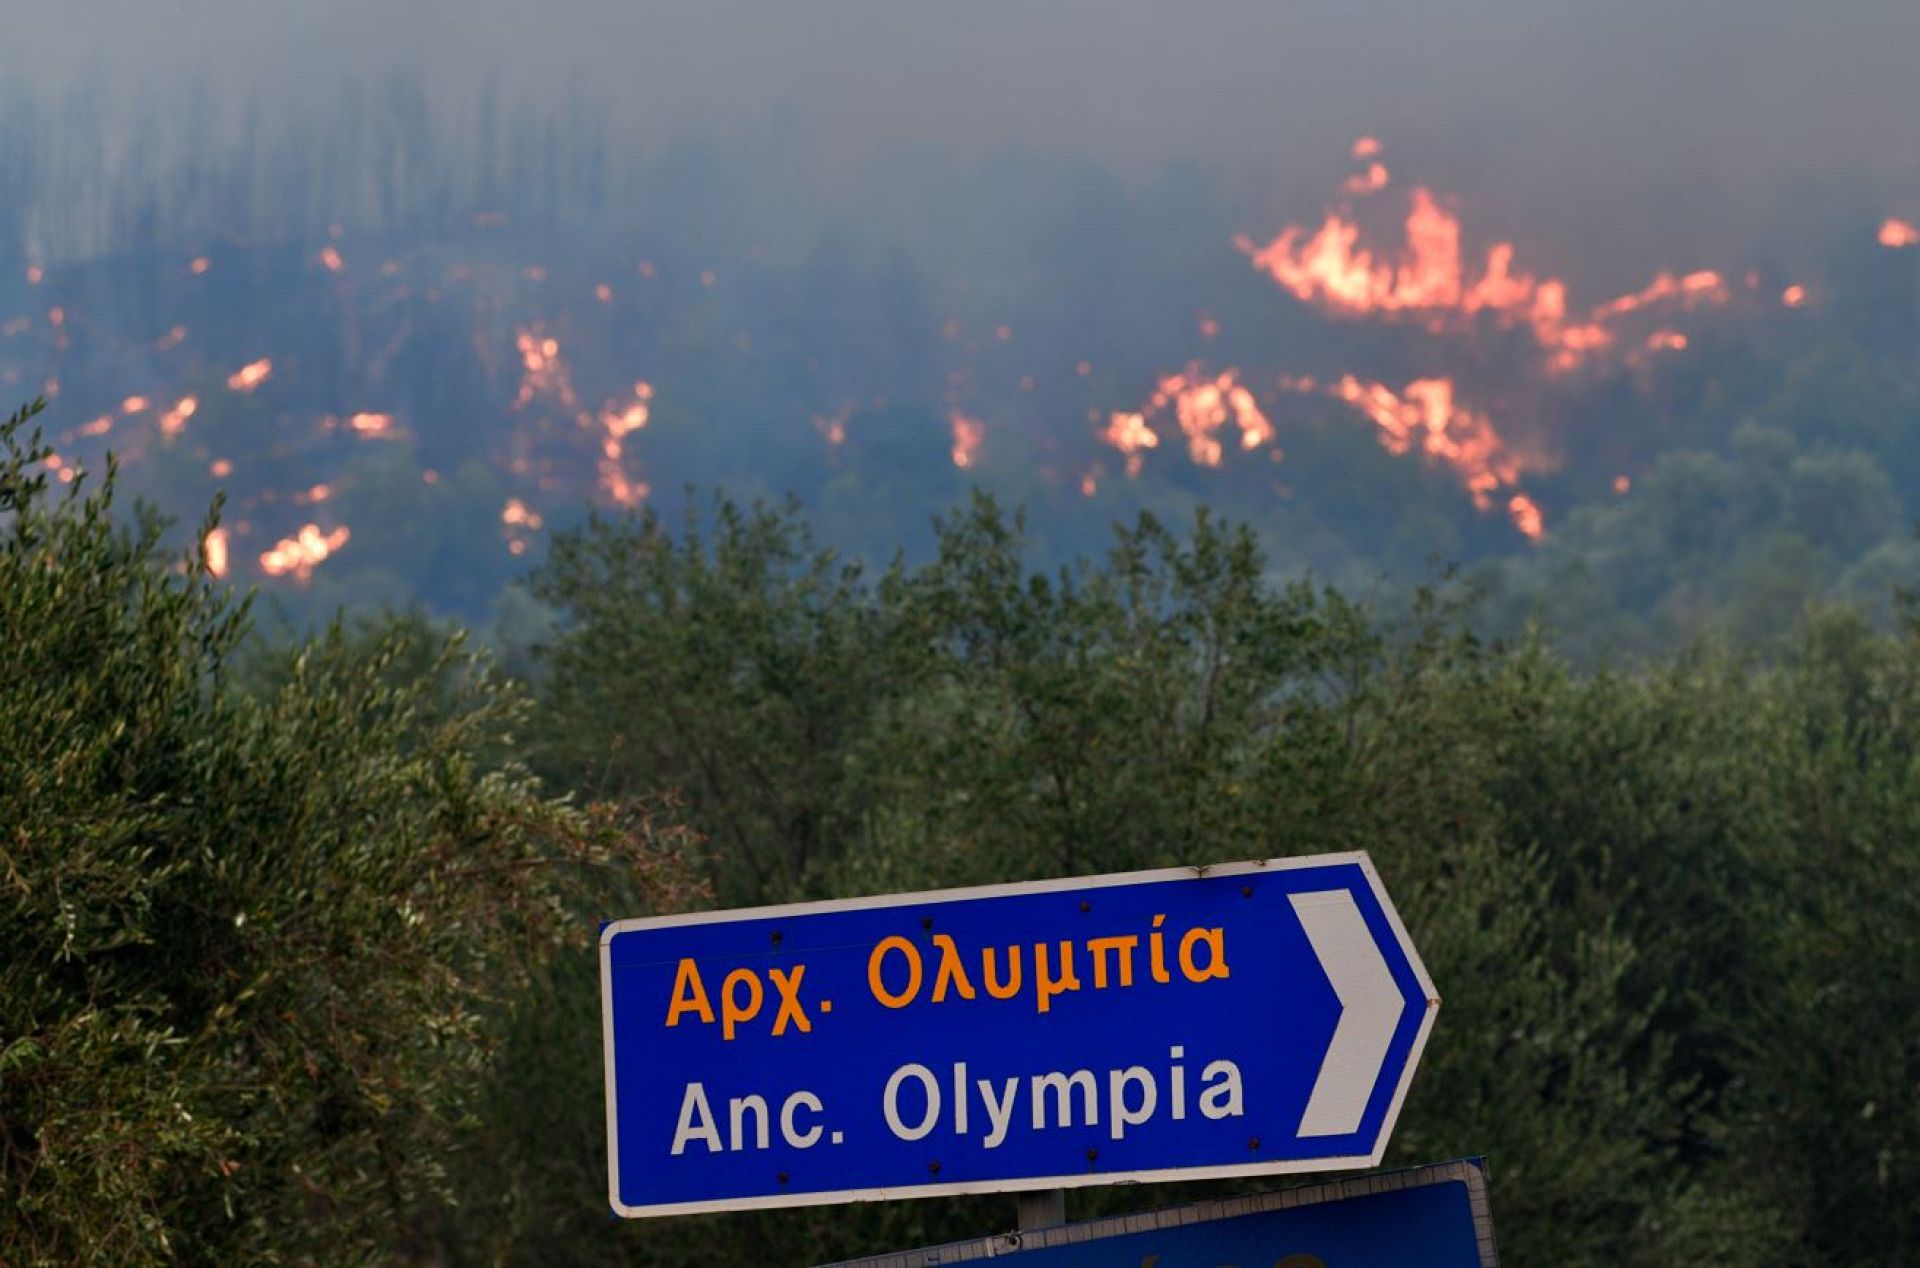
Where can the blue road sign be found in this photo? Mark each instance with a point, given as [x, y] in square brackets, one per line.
[1253, 1018]
[1425, 1217]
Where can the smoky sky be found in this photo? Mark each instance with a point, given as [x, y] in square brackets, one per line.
[1611, 119]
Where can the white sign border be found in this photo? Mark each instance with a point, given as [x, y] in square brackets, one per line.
[774, 1201]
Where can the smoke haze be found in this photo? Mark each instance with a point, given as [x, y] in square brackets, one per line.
[1601, 127]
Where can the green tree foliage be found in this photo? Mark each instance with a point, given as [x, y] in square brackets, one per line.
[258, 950]
[1672, 909]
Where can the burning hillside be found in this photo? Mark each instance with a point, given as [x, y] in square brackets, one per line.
[524, 378]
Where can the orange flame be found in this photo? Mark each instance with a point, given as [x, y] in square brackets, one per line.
[543, 373]
[1201, 407]
[330, 259]
[1794, 296]
[174, 421]
[214, 545]
[516, 514]
[1423, 417]
[620, 419]
[1425, 279]
[135, 405]
[967, 435]
[371, 424]
[300, 554]
[1896, 233]
[1371, 181]
[1525, 514]
[250, 376]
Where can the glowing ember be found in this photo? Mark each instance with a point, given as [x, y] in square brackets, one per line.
[1621, 484]
[1208, 328]
[250, 376]
[603, 293]
[35, 275]
[967, 435]
[1366, 147]
[199, 265]
[99, 426]
[1898, 233]
[171, 340]
[214, 547]
[221, 468]
[371, 424]
[1666, 341]
[1088, 485]
[300, 554]
[174, 421]
[330, 259]
[1794, 296]
[135, 405]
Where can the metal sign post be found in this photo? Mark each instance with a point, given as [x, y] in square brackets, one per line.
[1247, 1019]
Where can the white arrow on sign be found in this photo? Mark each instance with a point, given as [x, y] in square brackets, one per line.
[1370, 1008]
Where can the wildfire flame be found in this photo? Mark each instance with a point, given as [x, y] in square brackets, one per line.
[543, 373]
[214, 546]
[1525, 514]
[619, 419]
[1424, 418]
[1426, 280]
[1201, 405]
[516, 514]
[251, 375]
[1895, 233]
[174, 421]
[299, 555]
[967, 435]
